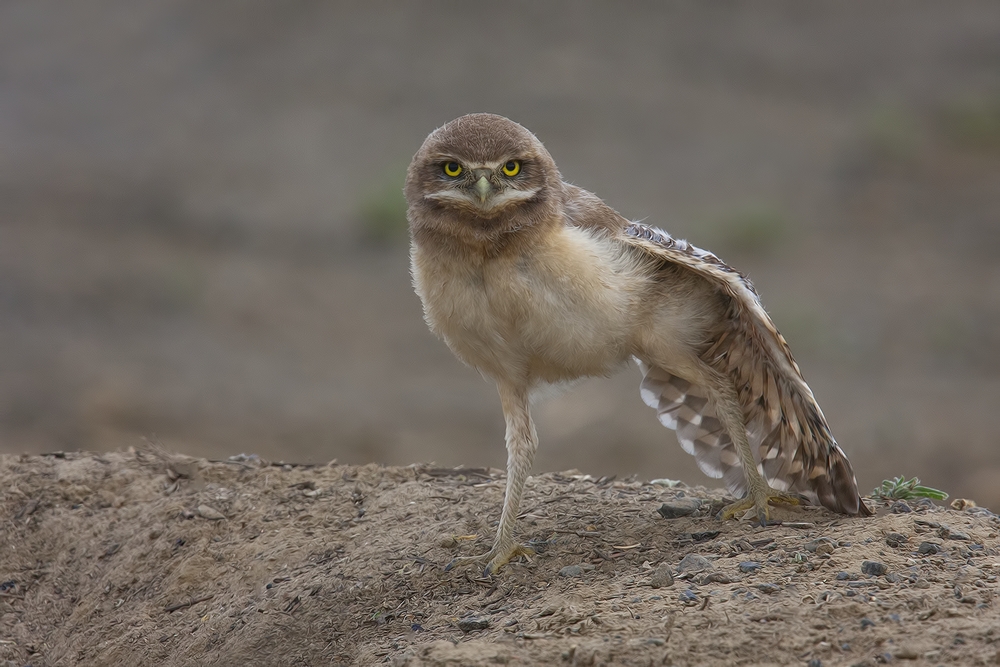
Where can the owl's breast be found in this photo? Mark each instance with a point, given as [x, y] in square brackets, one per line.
[561, 308]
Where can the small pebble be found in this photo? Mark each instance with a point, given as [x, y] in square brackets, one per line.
[873, 568]
[694, 563]
[823, 545]
[928, 548]
[705, 535]
[846, 576]
[662, 577]
[769, 589]
[571, 571]
[906, 653]
[688, 596]
[210, 513]
[470, 623]
[900, 507]
[867, 623]
[815, 662]
[949, 534]
[679, 507]
[749, 566]
[741, 545]
[716, 578]
[896, 540]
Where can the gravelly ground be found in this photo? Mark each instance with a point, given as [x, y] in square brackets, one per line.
[145, 557]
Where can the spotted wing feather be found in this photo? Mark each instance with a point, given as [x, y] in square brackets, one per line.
[685, 408]
[786, 428]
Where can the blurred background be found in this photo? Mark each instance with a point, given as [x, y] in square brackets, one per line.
[202, 233]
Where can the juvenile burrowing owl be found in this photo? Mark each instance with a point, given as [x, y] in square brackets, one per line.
[533, 281]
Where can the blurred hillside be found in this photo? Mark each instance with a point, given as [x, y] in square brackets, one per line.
[201, 237]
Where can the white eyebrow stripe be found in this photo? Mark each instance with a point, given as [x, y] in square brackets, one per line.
[497, 201]
[452, 195]
[510, 196]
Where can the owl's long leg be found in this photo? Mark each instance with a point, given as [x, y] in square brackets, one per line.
[730, 413]
[522, 442]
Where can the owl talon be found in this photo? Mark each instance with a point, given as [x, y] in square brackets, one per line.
[498, 561]
[494, 558]
[759, 503]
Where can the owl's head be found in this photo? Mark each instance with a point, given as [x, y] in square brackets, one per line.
[480, 172]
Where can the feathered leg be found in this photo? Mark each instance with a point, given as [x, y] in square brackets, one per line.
[522, 442]
[730, 413]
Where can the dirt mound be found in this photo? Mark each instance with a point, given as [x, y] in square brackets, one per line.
[142, 557]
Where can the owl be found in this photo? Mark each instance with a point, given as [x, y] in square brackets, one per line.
[535, 282]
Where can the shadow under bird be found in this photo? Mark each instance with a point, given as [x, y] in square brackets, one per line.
[534, 282]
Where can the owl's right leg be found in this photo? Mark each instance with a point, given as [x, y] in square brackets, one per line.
[522, 442]
[760, 494]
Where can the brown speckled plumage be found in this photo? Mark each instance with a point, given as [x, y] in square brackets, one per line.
[534, 282]
[786, 428]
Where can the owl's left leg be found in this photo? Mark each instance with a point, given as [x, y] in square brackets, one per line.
[760, 494]
[522, 442]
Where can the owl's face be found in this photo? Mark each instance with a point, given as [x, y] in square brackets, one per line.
[482, 187]
[481, 170]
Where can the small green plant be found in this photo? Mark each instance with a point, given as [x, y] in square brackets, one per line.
[900, 488]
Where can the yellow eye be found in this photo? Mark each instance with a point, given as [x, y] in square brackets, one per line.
[452, 169]
[512, 168]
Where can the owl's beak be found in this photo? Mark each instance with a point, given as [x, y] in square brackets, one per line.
[483, 188]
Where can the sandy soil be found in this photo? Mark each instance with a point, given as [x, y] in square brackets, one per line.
[145, 557]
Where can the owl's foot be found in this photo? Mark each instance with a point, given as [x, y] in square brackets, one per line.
[758, 502]
[495, 558]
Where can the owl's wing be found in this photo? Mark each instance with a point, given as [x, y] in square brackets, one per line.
[787, 431]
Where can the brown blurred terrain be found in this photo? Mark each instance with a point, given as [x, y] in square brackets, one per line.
[142, 557]
[201, 238]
